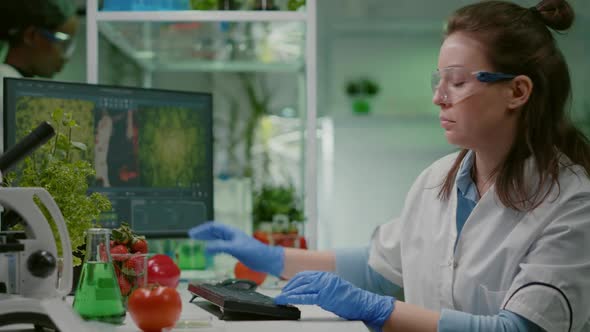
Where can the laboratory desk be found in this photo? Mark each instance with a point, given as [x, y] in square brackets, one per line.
[195, 318]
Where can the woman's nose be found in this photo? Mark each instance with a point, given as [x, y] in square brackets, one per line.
[440, 97]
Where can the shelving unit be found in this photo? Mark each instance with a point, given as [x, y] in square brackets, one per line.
[200, 16]
[385, 26]
[103, 23]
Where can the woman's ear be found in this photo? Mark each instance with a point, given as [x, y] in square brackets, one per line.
[520, 90]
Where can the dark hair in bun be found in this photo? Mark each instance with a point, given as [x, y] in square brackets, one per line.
[556, 14]
[16, 15]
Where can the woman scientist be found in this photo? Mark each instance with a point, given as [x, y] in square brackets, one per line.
[493, 238]
[38, 37]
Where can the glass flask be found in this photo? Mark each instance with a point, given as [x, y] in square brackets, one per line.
[98, 296]
[190, 255]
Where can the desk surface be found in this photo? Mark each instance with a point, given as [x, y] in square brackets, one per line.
[312, 319]
[194, 318]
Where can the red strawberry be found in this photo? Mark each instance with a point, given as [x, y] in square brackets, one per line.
[139, 245]
[134, 266]
[124, 285]
[119, 250]
[102, 251]
[117, 269]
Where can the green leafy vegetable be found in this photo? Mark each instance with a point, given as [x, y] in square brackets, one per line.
[54, 168]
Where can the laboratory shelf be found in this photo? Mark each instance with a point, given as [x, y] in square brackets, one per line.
[202, 41]
[377, 26]
[185, 46]
[201, 16]
[234, 66]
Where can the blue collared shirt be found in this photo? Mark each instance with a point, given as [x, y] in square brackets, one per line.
[467, 195]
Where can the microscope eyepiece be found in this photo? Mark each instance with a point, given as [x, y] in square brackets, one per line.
[26, 146]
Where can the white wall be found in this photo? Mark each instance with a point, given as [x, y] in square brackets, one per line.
[376, 160]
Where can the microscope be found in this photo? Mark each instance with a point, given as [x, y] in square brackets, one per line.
[30, 290]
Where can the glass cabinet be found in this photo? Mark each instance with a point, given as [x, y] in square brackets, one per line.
[260, 66]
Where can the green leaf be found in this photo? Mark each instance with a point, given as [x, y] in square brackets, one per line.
[57, 115]
[68, 122]
[59, 154]
[80, 146]
[63, 142]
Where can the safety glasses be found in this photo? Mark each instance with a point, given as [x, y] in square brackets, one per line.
[66, 42]
[455, 84]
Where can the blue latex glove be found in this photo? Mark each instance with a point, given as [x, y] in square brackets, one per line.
[230, 240]
[337, 295]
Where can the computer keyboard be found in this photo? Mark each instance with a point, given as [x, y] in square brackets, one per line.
[232, 299]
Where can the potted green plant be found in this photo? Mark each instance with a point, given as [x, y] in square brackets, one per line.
[280, 208]
[66, 178]
[272, 200]
[295, 4]
[203, 4]
[361, 93]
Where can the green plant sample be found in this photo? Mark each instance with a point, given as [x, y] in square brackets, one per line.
[58, 167]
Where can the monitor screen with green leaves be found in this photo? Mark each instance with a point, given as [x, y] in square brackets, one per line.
[151, 149]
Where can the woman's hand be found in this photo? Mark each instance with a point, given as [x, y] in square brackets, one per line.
[337, 295]
[253, 253]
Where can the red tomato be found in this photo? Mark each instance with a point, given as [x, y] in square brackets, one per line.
[261, 236]
[155, 308]
[241, 271]
[163, 271]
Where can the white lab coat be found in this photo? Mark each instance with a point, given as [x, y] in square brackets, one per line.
[534, 264]
[5, 71]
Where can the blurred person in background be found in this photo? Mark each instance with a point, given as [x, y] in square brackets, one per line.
[37, 38]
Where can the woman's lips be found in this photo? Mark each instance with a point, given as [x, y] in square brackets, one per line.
[446, 123]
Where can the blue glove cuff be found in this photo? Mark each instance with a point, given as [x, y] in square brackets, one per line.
[381, 312]
[276, 260]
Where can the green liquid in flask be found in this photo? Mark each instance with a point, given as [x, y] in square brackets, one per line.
[98, 296]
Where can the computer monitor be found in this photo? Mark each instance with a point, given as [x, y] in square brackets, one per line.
[152, 149]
